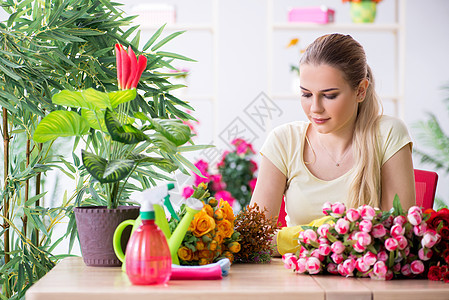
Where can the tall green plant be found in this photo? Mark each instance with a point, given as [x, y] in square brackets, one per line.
[47, 46]
[436, 140]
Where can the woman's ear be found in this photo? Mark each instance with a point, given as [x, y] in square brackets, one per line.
[361, 90]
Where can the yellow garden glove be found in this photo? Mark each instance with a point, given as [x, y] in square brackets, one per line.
[287, 238]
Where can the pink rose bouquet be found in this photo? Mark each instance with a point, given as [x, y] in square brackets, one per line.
[368, 242]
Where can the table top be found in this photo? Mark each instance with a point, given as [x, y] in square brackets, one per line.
[72, 279]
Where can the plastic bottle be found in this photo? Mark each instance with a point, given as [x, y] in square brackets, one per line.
[148, 259]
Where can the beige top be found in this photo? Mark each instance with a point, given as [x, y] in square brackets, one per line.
[305, 194]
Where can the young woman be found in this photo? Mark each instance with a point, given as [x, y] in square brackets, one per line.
[347, 152]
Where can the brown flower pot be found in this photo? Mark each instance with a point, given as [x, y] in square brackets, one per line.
[96, 226]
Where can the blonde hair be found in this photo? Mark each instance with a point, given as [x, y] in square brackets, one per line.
[347, 55]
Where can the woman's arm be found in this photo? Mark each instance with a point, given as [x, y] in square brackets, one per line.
[398, 178]
[269, 188]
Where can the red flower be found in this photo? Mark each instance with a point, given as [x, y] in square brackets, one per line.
[129, 67]
[252, 184]
[187, 192]
[440, 216]
[446, 277]
[434, 273]
[444, 232]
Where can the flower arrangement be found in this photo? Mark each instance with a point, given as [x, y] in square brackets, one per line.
[367, 242]
[235, 179]
[211, 235]
[256, 233]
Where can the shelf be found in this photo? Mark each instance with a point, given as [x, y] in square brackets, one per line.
[180, 26]
[337, 26]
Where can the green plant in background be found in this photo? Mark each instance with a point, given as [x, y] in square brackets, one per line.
[45, 47]
[432, 135]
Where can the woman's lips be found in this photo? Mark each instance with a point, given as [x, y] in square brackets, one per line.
[320, 120]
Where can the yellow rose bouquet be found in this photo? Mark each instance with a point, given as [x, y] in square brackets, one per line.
[211, 235]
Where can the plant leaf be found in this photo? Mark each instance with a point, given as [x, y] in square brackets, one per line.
[59, 124]
[104, 171]
[118, 97]
[126, 134]
[90, 99]
[153, 38]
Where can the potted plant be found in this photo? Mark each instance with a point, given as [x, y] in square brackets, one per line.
[122, 143]
[363, 11]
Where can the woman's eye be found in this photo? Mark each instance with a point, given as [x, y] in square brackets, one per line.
[306, 95]
[330, 96]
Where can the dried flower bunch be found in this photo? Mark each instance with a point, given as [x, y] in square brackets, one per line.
[211, 235]
[256, 233]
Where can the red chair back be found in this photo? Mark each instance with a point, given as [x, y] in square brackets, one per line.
[425, 188]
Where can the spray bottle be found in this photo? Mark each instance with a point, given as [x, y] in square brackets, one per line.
[148, 258]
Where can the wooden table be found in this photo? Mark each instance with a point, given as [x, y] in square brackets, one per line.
[72, 279]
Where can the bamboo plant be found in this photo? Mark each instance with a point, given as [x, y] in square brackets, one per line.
[48, 46]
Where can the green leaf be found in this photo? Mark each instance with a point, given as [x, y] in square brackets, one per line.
[166, 40]
[159, 162]
[391, 257]
[34, 199]
[174, 55]
[126, 134]
[60, 124]
[153, 38]
[194, 148]
[397, 205]
[123, 96]
[95, 119]
[104, 171]
[90, 99]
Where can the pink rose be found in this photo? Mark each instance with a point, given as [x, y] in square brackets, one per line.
[323, 240]
[301, 265]
[313, 265]
[323, 229]
[396, 230]
[337, 258]
[358, 247]
[316, 253]
[401, 220]
[397, 267]
[290, 261]
[352, 215]
[416, 209]
[380, 269]
[303, 252]
[309, 235]
[225, 196]
[342, 226]
[406, 270]
[389, 275]
[252, 184]
[332, 268]
[337, 247]
[324, 249]
[327, 207]
[338, 209]
[365, 225]
[363, 238]
[378, 231]
[414, 218]
[391, 244]
[417, 267]
[402, 242]
[370, 258]
[361, 265]
[367, 212]
[425, 254]
[382, 256]
[347, 268]
[430, 238]
[420, 229]
[407, 251]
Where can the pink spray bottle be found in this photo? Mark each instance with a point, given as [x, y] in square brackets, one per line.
[148, 259]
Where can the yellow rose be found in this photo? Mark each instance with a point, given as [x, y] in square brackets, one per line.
[203, 223]
[209, 210]
[228, 213]
[212, 202]
[200, 245]
[226, 228]
[234, 247]
[185, 253]
[219, 236]
[218, 215]
[213, 245]
[203, 261]
[206, 254]
[229, 255]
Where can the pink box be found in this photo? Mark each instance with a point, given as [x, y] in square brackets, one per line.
[318, 14]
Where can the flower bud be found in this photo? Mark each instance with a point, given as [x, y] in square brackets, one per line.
[363, 238]
[301, 265]
[361, 265]
[415, 209]
[366, 225]
[406, 270]
[396, 230]
[388, 222]
[337, 258]
[352, 215]
[417, 267]
[391, 244]
[332, 268]
[401, 220]
[313, 265]
[338, 209]
[342, 226]
[414, 218]
[425, 254]
[347, 268]
[378, 231]
[380, 269]
[337, 247]
[290, 261]
[370, 258]
[367, 212]
[382, 256]
[402, 242]
[323, 230]
[420, 229]
[430, 238]
[234, 247]
[359, 248]
[324, 249]
[309, 235]
[327, 207]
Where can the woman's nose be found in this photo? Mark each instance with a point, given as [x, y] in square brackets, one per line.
[317, 105]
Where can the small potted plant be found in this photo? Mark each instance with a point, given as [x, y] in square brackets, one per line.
[122, 143]
[363, 11]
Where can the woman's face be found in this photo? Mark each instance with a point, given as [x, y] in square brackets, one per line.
[327, 99]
